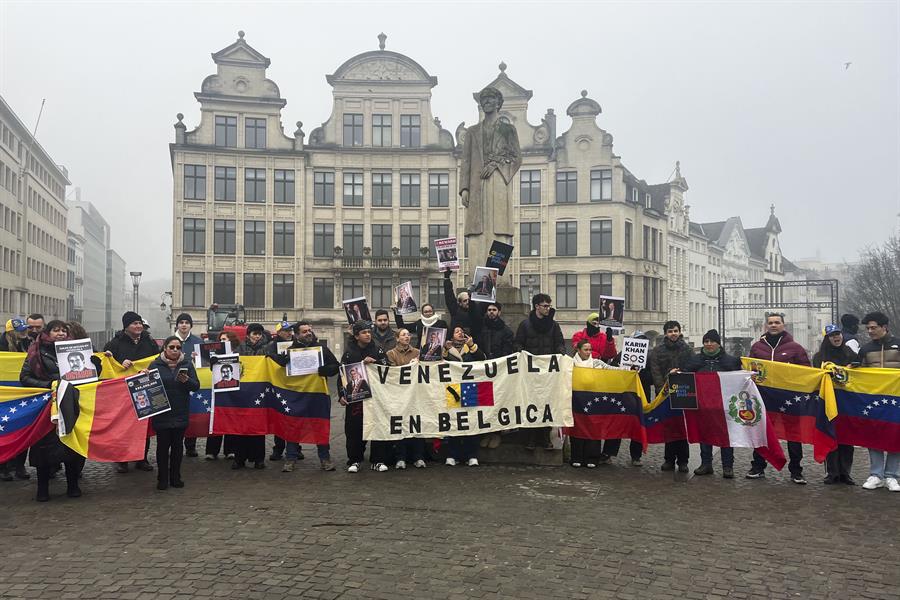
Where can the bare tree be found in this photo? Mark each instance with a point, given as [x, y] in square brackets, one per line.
[875, 284]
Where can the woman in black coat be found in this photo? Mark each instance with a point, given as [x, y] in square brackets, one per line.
[462, 348]
[40, 370]
[179, 378]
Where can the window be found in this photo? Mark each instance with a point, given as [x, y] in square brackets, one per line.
[255, 238]
[601, 285]
[224, 236]
[634, 195]
[566, 187]
[255, 133]
[628, 292]
[409, 189]
[655, 240]
[381, 130]
[323, 188]
[530, 239]
[223, 288]
[381, 189]
[381, 241]
[410, 241]
[194, 236]
[254, 185]
[436, 292]
[193, 290]
[436, 232]
[629, 232]
[410, 131]
[323, 239]
[282, 291]
[194, 182]
[438, 189]
[382, 293]
[323, 292]
[601, 185]
[226, 184]
[601, 237]
[353, 288]
[255, 289]
[353, 240]
[646, 240]
[284, 186]
[566, 290]
[529, 187]
[651, 293]
[648, 201]
[283, 238]
[566, 238]
[226, 131]
[353, 130]
[353, 189]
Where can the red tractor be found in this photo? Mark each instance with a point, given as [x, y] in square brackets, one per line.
[226, 317]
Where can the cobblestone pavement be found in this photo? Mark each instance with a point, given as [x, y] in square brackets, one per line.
[489, 532]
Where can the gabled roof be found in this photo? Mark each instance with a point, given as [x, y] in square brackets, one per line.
[713, 230]
[697, 229]
[509, 88]
[757, 239]
[241, 54]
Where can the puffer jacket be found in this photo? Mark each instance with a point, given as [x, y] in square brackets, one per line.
[883, 353]
[179, 394]
[665, 357]
[601, 346]
[28, 378]
[785, 350]
[540, 336]
[720, 361]
[496, 339]
[124, 348]
[249, 349]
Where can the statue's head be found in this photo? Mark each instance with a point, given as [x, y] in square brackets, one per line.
[491, 93]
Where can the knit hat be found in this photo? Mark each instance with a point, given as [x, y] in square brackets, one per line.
[593, 317]
[361, 326]
[832, 328]
[130, 317]
[16, 324]
[712, 336]
[850, 323]
[255, 328]
[184, 317]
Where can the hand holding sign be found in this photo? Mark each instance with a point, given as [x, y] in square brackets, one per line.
[634, 352]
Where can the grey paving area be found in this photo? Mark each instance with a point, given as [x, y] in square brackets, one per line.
[489, 532]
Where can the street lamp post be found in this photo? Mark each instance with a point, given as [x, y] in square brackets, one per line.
[136, 282]
[166, 306]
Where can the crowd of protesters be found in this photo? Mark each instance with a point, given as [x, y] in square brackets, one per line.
[476, 331]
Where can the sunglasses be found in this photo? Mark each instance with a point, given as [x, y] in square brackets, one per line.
[174, 347]
[545, 305]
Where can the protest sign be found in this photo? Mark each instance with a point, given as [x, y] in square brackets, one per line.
[226, 373]
[498, 256]
[356, 382]
[634, 352]
[148, 394]
[612, 311]
[357, 309]
[74, 359]
[304, 361]
[447, 255]
[433, 339]
[484, 285]
[207, 349]
[403, 297]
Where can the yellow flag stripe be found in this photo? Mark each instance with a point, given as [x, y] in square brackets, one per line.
[78, 438]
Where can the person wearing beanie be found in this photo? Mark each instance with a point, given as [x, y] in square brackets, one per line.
[603, 346]
[834, 349]
[713, 358]
[251, 447]
[129, 345]
[850, 331]
[362, 349]
[190, 345]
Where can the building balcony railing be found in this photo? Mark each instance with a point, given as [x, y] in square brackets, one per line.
[376, 263]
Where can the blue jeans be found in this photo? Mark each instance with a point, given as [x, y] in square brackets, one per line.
[881, 467]
[292, 451]
[727, 455]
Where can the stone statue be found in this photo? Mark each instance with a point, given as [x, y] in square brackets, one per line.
[490, 159]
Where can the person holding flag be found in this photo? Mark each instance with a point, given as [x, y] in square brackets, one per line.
[462, 348]
[835, 350]
[667, 358]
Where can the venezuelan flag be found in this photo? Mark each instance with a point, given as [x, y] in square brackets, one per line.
[868, 408]
[297, 409]
[10, 367]
[607, 404]
[24, 419]
[106, 428]
[794, 404]
[662, 422]
[467, 395]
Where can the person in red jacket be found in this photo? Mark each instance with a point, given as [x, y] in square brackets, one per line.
[603, 346]
[778, 345]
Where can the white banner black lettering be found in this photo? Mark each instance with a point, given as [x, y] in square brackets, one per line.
[451, 398]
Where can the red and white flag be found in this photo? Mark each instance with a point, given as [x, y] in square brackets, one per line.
[731, 413]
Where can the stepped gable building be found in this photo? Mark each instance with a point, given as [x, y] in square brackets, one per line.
[292, 224]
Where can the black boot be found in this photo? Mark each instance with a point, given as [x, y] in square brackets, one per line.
[43, 486]
[72, 472]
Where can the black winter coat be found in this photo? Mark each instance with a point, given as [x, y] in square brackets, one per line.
[248, 349]
[28, 378]
[355, 354]
[470, 319]
[124, 348]
[665, 357]
[496, 339]
[20, 344]
[841, 356]
[540, 336]
[179, 394]
[722, 361]
[417, 328]
[330, 366]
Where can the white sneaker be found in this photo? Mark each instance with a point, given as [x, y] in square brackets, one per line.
[210, 457]
[576, 465]
[892, 484]
[473, 462]
[401, 465]
[419, 464]
[354, 468]
[873, 482]
[380, 467]
[450, 462]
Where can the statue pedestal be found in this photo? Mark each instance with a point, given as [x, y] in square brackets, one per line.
[514, 310]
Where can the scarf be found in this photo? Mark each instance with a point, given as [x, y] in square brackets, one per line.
[172, 364]
[429, 321]
[34, 355]
[773, 340]
[592, 331]
[710, 354]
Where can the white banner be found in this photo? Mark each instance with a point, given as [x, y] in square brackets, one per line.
[450, 398]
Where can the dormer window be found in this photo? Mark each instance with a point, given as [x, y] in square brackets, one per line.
[634, 195]
[647, 201]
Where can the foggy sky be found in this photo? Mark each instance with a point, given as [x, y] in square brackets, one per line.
[754, 99]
